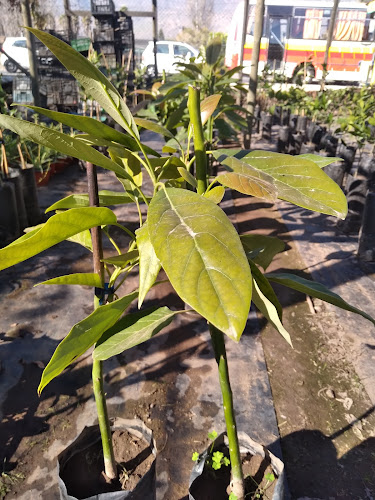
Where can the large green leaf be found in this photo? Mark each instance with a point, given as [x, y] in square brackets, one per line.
[132, 330]
[321, 161]
[246, 179]
[203, 257]
[63, 143]
[149, 264]
[84, 279]
[92, 80]
[82, 336]
[175, 117]
[83, 238]
[298, 180]
[315, 289]
[266, 288]
[58, 228]
[208, 106]
[269, 311]
[106, 198]
[261, 249]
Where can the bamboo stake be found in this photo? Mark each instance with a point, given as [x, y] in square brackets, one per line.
[23, 163]
[4, 155]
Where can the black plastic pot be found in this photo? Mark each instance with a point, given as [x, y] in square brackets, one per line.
[277, 115]
[317, 134]
[9, 225]
[146, 487]
[366, 169]
[336, 171]
[347, 153]
[15, 179]
[295, 144]
[293, 122]
[285, 116]
[302, 123]
[366, 247]
[266, 126]
[329, 143]
[283, 139]
[307, 149]
[257, 118]
[30, 195]
[356, 198]
[247, 445]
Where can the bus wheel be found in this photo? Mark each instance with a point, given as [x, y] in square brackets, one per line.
[299, 75]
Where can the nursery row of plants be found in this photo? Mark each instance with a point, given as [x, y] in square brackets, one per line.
[213, 269]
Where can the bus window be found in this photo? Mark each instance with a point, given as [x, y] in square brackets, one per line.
[350, 25]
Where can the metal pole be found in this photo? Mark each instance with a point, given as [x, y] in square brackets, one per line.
[30, 42]
[68, 14]
[253, 83]
[331, 28]
[155, 33]
[244, 29]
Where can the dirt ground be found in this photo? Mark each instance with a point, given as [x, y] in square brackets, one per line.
[325, 418]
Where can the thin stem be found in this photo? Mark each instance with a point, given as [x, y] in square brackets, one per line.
[200, 152]
[97, 368]
[237, 483]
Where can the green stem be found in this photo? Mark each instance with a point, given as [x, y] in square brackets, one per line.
[110, 468]
[199, 148]
[237, 483]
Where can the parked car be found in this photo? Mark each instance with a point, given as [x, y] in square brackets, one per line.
[167, 53]
[16, 48]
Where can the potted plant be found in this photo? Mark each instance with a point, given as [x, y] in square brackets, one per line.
[211, 268]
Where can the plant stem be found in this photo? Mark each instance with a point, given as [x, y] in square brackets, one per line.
[199, 148]
[110, 468]
[218, 343]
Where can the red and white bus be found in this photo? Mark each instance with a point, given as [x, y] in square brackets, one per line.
[294, 39]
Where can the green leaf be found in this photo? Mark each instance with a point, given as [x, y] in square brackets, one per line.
[132, 330]
[122, 260]
[215, 194]
[212, 435]
[84, 279]
[315, 289]
[91, 79]
[195, 456]
[82, 336]
[83, 239]
[208, 106]
[261, 249]
[168, 149]
[106, 198]
[213, 51]
[266, 288]
[187, 176]
[202, 255]
[133, 146]
[246, 179]
[149, 264]
[58, 228]
[297, 180]
[58, 141]
[175, 117]
[321, 161]
[269, 311]
[154, 127]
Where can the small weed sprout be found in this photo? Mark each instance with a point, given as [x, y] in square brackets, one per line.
[215, 459]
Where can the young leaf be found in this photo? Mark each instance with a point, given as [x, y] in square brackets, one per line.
[121, 260]
[296, 179]
[266, 288]
[132, 330]
[154, 127]
[261, 249]
[213, 51]
[269, 311]
[321, 161]
[58, 141]
[82, 336]
[84, 279]
[91, 79]
[202, 255]
[149, 264]
[106, 198]
[187, 176]
[215, 194]
[58, 228]
[246, 179]
[315, 289]
[195, 456]
[208, 106]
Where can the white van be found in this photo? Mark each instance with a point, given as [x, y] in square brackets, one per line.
[167, 53]
[16, 48]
